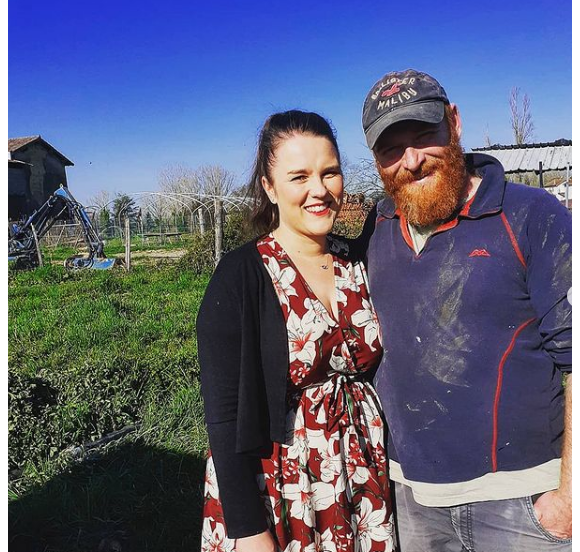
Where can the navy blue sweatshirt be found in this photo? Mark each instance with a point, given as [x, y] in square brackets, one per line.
[476, 331]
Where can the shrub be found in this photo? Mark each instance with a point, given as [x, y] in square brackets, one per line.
[200, 256]
[237, 230]
[30, 399]
[348, 229]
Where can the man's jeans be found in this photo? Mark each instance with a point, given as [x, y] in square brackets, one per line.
[494, 526]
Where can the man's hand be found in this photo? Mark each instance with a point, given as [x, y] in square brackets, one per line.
[257, 543]
[554, 512]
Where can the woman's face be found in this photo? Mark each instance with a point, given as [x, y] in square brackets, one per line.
[306, 184]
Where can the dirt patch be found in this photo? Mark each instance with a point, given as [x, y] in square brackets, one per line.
[159, 254]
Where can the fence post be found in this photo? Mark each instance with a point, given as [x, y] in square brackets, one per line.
[201, 220]
[219, 229]
[127, 243]
[37, 245]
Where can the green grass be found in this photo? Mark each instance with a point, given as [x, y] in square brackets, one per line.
[92, 352]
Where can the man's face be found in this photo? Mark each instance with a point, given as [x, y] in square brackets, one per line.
[423, 169]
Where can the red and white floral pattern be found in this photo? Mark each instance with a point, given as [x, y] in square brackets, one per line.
[326, 488]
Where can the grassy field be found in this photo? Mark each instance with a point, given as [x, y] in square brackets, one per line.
[90, 353]
[116, 248]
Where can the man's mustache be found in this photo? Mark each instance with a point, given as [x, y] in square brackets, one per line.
[406, 177]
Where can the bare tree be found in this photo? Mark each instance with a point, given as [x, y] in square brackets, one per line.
[363, 178]
[211, 180]
[99, 206]
[216, 181]
[157, 211]
[101, 200]
[182, 183]
[521, 117]
[486, 139]
[195, 190]
[179, 179]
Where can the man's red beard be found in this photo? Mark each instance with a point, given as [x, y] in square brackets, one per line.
[435, 202]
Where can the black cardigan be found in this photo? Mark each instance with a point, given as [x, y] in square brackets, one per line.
[243, 353]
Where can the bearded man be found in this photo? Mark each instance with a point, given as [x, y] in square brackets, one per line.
[469, 276]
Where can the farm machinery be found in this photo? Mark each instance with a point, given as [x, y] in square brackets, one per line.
[23, 240]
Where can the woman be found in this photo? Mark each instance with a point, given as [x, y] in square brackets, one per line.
[287, 337]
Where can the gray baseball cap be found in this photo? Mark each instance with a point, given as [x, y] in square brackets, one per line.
[401, 96]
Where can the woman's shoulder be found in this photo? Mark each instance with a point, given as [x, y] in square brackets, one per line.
[242, 254]
[234, 278]
[239, 265]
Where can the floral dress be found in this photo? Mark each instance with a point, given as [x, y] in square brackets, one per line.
[326, 488]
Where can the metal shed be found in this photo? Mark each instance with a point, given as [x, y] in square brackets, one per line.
[538, 158]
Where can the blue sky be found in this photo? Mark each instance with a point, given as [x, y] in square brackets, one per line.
[125, 89]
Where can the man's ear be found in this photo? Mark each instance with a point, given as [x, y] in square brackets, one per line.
[456, 119]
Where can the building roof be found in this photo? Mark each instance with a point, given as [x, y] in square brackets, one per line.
[554, 156]
[17, 143]
[14, 144]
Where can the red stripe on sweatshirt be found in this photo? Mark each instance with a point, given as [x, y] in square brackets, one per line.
[498, 392]
[513, 240]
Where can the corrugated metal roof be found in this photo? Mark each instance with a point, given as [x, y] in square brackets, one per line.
[553, 156]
